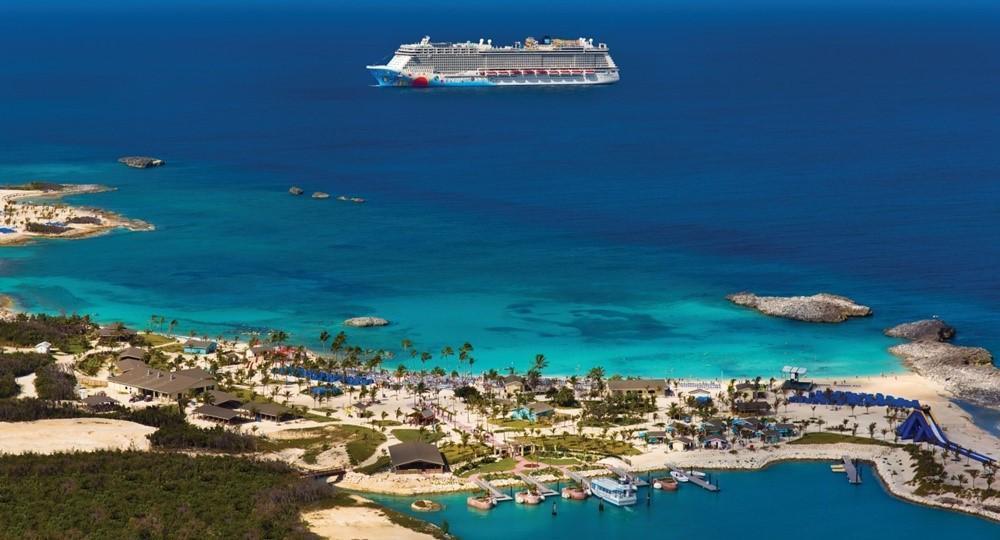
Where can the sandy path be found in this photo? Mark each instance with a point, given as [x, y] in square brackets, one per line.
[27, 385]
[75, 434]
[358, 522]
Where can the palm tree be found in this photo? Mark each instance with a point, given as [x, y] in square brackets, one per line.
[596, 378]
[324, 336]
[171, 326]
[446, 352]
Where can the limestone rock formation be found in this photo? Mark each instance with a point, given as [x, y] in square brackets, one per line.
[923, 330]
[141, 162]
[967, 372]
[365, 322]
[823, 307]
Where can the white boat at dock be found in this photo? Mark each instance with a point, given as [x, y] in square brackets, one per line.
[679, 476]
[613, 491]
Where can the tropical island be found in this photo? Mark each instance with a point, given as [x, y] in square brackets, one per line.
[23, 219]
[292, 429]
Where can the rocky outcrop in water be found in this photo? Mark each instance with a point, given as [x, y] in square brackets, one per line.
[967, 372]
[823, 307]
[365, 322]
[296, 190]
[141, 162]
[320, 195]
[924, 330]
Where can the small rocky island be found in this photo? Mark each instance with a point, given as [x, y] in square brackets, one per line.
[296, 190]
[141, 162]
[366, 322]
[923, 330]
[320, 195]
[823, 307]
[967, 372]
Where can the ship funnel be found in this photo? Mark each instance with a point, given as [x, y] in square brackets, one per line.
[480, 41]
[489, 42]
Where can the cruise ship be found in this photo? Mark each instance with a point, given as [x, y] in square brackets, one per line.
[547, 61]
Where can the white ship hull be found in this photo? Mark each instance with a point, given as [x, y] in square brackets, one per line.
[559, 63]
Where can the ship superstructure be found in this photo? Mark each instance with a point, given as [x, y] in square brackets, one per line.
[535, 62]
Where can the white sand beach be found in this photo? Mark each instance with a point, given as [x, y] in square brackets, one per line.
[18, 215]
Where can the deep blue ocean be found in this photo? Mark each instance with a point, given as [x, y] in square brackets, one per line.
[781, 147]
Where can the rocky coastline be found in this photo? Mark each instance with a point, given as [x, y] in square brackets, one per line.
[822, 307]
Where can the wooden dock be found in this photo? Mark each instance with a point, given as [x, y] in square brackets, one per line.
[578, 478]
[629, 476]
[543, 489]
[697, 480]
[853, 473]
[495, 493]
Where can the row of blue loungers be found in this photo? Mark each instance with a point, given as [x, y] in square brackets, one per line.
[323, 376]
[855, 398]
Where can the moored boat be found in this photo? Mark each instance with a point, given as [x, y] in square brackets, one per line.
[679, 476]
[667, 483]
[613, 491]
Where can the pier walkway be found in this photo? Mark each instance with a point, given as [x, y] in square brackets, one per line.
[543, 489]
[577, 477]
[853, 474]
[495, 493]
[628, 476]
[696, 480]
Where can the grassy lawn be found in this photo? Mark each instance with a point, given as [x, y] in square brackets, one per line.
[577, 443]
[514, 424]
[363, 442]
[409, 435]
[505, 464]
[386, 423]
[557, 461]
[458, 453]
[155, 340]
[827, 437]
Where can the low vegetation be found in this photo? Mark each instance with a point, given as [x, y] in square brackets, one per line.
[68, 333]
[54, 384]
[18, 364]
[143, 495]
[581, 444]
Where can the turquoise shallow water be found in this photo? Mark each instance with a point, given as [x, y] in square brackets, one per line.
[839, 148]
[800, 499]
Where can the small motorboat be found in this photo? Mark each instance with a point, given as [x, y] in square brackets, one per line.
[699, 474]
[837, 468]
[667, 483]
[357, 200]
[679, 476]
[482, 502]
[343, 198]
